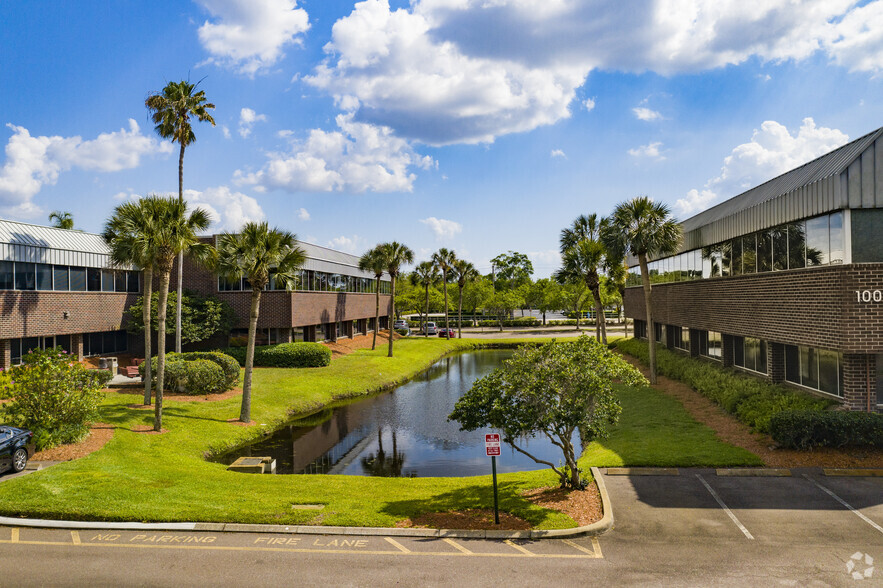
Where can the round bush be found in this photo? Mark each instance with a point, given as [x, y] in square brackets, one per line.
[297, 355]
[228, 364]
[193, 377]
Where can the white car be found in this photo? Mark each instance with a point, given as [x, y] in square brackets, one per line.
[430, 328]
[401, 324]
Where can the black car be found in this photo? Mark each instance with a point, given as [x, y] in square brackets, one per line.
[15, 448]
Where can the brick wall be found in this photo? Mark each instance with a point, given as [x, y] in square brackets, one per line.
[42, 313]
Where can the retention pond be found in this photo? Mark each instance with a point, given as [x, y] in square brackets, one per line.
[404, 432]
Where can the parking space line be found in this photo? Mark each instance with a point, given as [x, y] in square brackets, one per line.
[75, 537]
[595, 546]
[457, 546]
[846, 504]
[14, 538]
[724, 506]
[518, 547]
[398, 545]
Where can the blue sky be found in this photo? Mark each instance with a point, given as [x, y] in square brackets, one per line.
[477, 125]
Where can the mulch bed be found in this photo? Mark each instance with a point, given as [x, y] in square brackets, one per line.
[347, 346]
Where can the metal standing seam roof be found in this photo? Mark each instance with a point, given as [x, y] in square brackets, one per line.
[17, 233]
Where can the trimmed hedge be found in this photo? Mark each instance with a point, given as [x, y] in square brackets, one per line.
[228, 364]
[803, 429]
[751, 400]
[518, 322]
[186, 374]
[295, 355]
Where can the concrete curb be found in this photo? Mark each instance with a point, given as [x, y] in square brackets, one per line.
[602, 526]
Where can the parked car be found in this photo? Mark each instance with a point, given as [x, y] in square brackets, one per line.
[400, 324]
[15, 448]
[450, 333]
[430, 328]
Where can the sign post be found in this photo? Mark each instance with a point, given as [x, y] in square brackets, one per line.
[492, 448]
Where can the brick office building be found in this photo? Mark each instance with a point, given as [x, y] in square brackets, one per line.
[784, 281]
[57, 289]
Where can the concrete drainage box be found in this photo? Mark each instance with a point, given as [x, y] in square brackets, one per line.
[254, 465]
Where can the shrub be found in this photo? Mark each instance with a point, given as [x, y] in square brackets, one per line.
[519, 322]
[192, 376]
[402, 331]
[229, 365]
[300, 354]
[751, 400]
[803, 429]
[54, 396]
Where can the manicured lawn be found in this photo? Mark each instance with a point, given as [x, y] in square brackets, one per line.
[148, 477]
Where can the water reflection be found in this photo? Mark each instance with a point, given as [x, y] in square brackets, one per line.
[402, 433]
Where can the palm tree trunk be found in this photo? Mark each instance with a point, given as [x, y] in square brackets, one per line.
[180, 257]
[600, 320]
[148, 371]
[651, 330]
[245, 412]
[460, 314]
[392, 312]
[426, 316]
[376, 314]
[161, 347]
[445, 284]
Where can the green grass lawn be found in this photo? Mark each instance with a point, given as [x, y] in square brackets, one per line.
[149, 477]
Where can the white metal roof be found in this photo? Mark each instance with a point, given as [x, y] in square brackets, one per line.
[27, 242]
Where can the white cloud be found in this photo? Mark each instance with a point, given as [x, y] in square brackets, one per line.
[358, 158]
[247, 118]
[651, 150]
[226, 131]
[32, 162]
[589, 104]
[229, 210]
[558, 153]
[443, 229]
[772, 151]
[352, 244]
[302, 214]
[468, 71]
[646, 114]
[550, 259]
[250, 35]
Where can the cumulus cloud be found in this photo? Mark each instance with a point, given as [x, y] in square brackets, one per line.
[360, 157]
[352, 244]
[643, 113]
[468, 71]
[589, 104]
[772, 151]
[250, 35]
[247, 118]
[557, 153]
[229, 210]
[651, 150]
[32, 162]
[443, 229]
[302, 214]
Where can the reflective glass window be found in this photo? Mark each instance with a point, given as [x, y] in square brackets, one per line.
[809, 367]
[739, 351]
[835, 225]
[132, 284]
[749, 254]
[818, 244]
[78, 279]
[828, 376]
[107, 281]
[796, 245]
[60, 277]
[764, 252]
[119, 281]
[44, 276]
[7, 275]
[25, 276]
[779, 236]
[736, 257]
[93, 279]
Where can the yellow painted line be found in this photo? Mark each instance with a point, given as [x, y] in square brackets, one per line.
[398, 545]
[518, 547]
[459, 547]
[75, 537]
[14, 535]
[596, 547]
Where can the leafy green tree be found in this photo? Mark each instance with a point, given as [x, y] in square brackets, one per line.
[544, 296]
[572, 296]
[395, 255]
[464, 273]
[425, 275]
[261, 254]
[503, 304]
[511, 270]
[170, 111]
[372, 261]
[444, 260]
[555, 390]
[203, 316]
[477, 293]
[61, 220]
[643, 228]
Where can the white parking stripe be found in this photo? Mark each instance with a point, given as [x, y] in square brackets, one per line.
[846, 504]
[724, 506]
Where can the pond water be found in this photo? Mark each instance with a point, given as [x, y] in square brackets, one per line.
[400, 433]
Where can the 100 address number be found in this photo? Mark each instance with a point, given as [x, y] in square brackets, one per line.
[869, 295]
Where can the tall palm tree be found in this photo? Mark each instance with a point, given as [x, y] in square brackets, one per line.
[172, 231]
[61, 220]
[171, 111]
[259, 253]
[444, 259]
[464, 272]
[583, 255]
[373, 261]
[426, 275]
[129, 233]
[643, 228]
[395, 255]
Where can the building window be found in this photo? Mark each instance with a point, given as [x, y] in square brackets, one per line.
[104, 343]
[297, 334]
[107, 281]
[7, 275]
[818, 369]
[710, 345]
[640, 329]
[750, 353]
[659, 332]
[226, 284]
[321, 333]
[78, 279]
[93, 279]
[44, 276]
[60, 277]
[25, 276]
[681, 337]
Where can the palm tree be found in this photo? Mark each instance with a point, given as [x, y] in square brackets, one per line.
[464, 272]
[643, 228]
[171, 111]
[444, 259]
[171, 232]
[372, 261]
[61, 220]
[426, 275]
[395, 255]
[583, 255]
[129, 233]
[260, 254]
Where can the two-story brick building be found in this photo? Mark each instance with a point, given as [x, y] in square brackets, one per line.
[57, 289]
[784, 281]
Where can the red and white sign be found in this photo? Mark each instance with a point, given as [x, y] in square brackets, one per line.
[492, 444]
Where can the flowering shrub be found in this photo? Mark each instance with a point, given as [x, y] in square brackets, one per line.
[54, 396]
